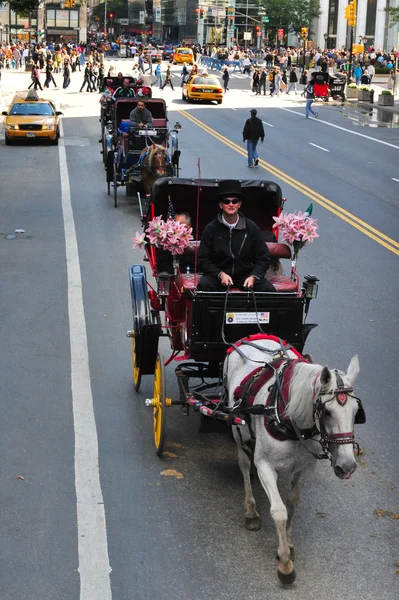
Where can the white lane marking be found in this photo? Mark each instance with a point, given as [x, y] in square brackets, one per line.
[368, 137]
[321, 148]
[94, 567]
[268, 124]
[233, 109]
[395, 179]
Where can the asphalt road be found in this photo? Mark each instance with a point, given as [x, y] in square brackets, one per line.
[183, 539]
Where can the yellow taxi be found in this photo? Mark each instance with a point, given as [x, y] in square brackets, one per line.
[202, 87]
[31, 117]
[183, 55]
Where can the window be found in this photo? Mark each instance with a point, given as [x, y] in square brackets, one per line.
[50, 17]
[32, 109]
[73, 18]
[62, 18]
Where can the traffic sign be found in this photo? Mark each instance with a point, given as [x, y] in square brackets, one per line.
[259, 34]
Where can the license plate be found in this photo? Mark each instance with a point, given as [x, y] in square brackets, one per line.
[247, 318]
[208, 91]
[30, 134]
[147, 132]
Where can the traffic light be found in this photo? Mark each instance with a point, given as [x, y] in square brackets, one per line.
[266, 19]
[350, 13]
[202, 13]
[73, 3]
[111, 15]
[231, 19]
[67, 3]
[304, 33]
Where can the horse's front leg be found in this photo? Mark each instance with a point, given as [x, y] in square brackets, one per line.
[252, 518]
[294, 497]
[278, 511]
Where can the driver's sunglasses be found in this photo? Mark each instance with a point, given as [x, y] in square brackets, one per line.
[230, 201]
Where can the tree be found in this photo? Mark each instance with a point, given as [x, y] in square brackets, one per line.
[291, 14]
[393, 12]
[24, 7]
[118, 8]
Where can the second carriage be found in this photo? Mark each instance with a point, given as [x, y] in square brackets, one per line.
[202, 325]
[134, 157]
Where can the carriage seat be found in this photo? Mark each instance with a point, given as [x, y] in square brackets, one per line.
[282, 283]
[162, 123]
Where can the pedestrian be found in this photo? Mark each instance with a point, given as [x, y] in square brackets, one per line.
[66, 74]
[365, 79]
[357, 73]
[87, 78]
[293, 81]
[303, 81]
[277, 82]
[158, 74]
[141, 63]
[184, 74]
[262, 81]
[252, 132]
[149, 60]
[255, 81]
[270, 78]
[49, 74]
[225, 77]
[101, 73]
[310, 99]
[168, 78]
[35, 78]
[371, 71]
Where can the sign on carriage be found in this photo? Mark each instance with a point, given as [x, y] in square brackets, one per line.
[247, 318]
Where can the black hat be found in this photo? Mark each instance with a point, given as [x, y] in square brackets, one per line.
[253, 111]
[230, 188]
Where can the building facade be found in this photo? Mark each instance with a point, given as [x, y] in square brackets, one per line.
[60, 22]
[372, 25]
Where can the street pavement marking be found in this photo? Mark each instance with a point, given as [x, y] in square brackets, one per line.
[233, 109]
[395, 179]
[321, 147]
[337, 210]
[367, 137]
[268, 124]
[94, 567]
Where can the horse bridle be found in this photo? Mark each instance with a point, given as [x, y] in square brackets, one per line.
[160, 150]
[341, 394]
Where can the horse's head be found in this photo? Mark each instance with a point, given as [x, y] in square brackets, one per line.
[336, 410]
[158, 160]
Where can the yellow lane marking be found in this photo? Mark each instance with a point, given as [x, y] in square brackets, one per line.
[337, 210]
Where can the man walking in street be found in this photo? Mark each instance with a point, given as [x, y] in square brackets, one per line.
[225, 77]
[253, 130]
[309, 90]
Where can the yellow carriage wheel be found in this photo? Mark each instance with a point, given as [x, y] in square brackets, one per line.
[135, 367]
[159, 404]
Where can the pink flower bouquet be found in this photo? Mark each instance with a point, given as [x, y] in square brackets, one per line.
[169, 235]
[296, 228]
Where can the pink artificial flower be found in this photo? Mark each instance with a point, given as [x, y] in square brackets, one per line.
[139, 240]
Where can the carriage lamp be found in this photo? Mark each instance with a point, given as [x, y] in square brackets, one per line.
[163, 284]
[310, 287]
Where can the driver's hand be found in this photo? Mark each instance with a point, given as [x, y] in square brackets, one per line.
[249, 282]
[226, 279]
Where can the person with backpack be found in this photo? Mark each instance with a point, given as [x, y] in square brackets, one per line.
[310, 99]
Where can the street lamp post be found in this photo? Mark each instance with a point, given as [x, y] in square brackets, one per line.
[325, 40]
[1, 34]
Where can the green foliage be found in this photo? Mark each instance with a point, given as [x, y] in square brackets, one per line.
[23, 7]
[119, 8]
[386, 93]
[291, 15]
[364, 88]
[382, 70]
[393, 12]
[352, 85]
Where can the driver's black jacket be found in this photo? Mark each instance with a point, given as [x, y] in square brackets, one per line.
[240, 252]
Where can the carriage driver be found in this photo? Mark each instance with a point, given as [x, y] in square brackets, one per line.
[141, 116]
[232, 249]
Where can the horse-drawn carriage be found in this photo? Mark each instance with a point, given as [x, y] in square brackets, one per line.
[249, 344]
[135, 157]
[329, 86]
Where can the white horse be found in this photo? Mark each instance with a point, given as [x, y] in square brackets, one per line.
[319, 403]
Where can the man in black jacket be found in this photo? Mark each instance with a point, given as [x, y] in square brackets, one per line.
[232, 250]
[253, 130]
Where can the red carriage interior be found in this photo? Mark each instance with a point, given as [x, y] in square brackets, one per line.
[320, 84]
[264, 201]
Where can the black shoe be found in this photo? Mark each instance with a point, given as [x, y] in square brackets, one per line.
[256, 162]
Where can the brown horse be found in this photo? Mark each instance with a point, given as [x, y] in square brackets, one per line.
[154, 163]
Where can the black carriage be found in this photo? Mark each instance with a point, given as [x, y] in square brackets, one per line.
[336, 85]
[202, 325]
[110, 84]
[126, 143]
